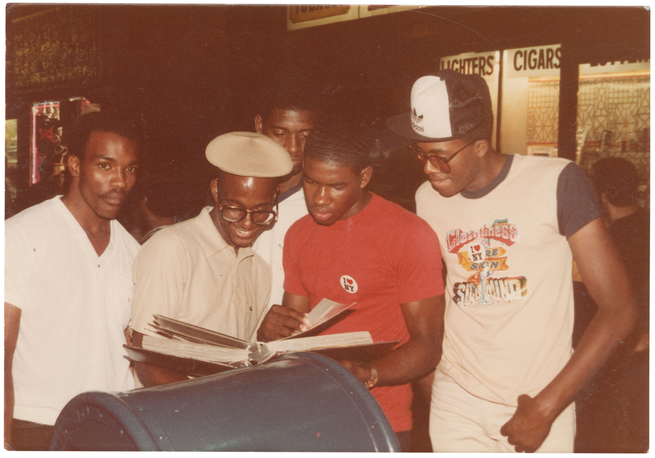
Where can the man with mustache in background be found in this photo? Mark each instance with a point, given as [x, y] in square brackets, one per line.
[68, 285]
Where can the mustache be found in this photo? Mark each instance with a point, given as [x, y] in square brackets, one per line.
[113, 193]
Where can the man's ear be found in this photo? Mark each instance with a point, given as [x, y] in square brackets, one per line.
[213, 187]
[481, 147]
[143, 203]
[365, 176]
[259, 124]
[74, 165]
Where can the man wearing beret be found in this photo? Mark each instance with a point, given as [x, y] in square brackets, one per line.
[509, 227]
[203, 271]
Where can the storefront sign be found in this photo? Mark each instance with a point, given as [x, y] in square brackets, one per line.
[484, 64]
[303, 16]
[627, 65]
[532, 62]
[377, 10]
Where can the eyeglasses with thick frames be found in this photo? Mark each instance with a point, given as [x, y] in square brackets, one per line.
[259, 217]
[438, 162]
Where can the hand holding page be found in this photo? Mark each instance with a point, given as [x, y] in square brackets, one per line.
[322, 316]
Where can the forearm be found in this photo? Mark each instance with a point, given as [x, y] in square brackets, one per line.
[603, 336]
[602, 271]
[531, 423]
[605, 278]
[421, 353]
[153, 375]
[410, 361]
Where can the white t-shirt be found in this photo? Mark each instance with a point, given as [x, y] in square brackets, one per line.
[270, 243]
[75, 306]
[511, 336]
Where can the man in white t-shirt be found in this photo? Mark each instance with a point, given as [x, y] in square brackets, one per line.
[287, 115]
[68, 286]
[509, 227]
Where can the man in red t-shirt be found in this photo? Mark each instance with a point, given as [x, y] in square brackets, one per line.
[355, 246]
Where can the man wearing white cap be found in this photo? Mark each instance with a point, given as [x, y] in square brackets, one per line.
[509, 227]
[203, 271]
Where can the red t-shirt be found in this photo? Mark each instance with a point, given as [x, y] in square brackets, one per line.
[382, 257]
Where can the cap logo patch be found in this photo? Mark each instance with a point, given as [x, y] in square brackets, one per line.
[430, 98]
[416, 119]
[349, 284]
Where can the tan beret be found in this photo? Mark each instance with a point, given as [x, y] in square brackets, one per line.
[249, 154]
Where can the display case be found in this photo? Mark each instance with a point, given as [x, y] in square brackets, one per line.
[529, 113]
[614, 116]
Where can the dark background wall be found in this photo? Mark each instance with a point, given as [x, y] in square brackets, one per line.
[193, 72]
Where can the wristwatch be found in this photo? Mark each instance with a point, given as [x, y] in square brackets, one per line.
[374, 376]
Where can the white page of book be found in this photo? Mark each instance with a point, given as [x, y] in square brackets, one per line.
[184, 349]
[324, 341]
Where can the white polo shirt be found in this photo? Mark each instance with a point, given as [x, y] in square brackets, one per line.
[187, 272]
[74, 305]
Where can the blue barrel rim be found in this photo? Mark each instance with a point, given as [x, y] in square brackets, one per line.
[120, 410]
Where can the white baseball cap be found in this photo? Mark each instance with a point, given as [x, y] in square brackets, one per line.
[445, 106]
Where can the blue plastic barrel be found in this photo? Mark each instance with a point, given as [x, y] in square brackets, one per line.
[299, 402]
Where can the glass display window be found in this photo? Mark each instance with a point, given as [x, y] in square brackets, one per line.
[530, 101]
[613, 117]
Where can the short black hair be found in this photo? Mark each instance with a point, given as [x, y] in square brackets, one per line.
[81, 129]
[340, 144]
[617, 178]
[483, 132]
[289, 90]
